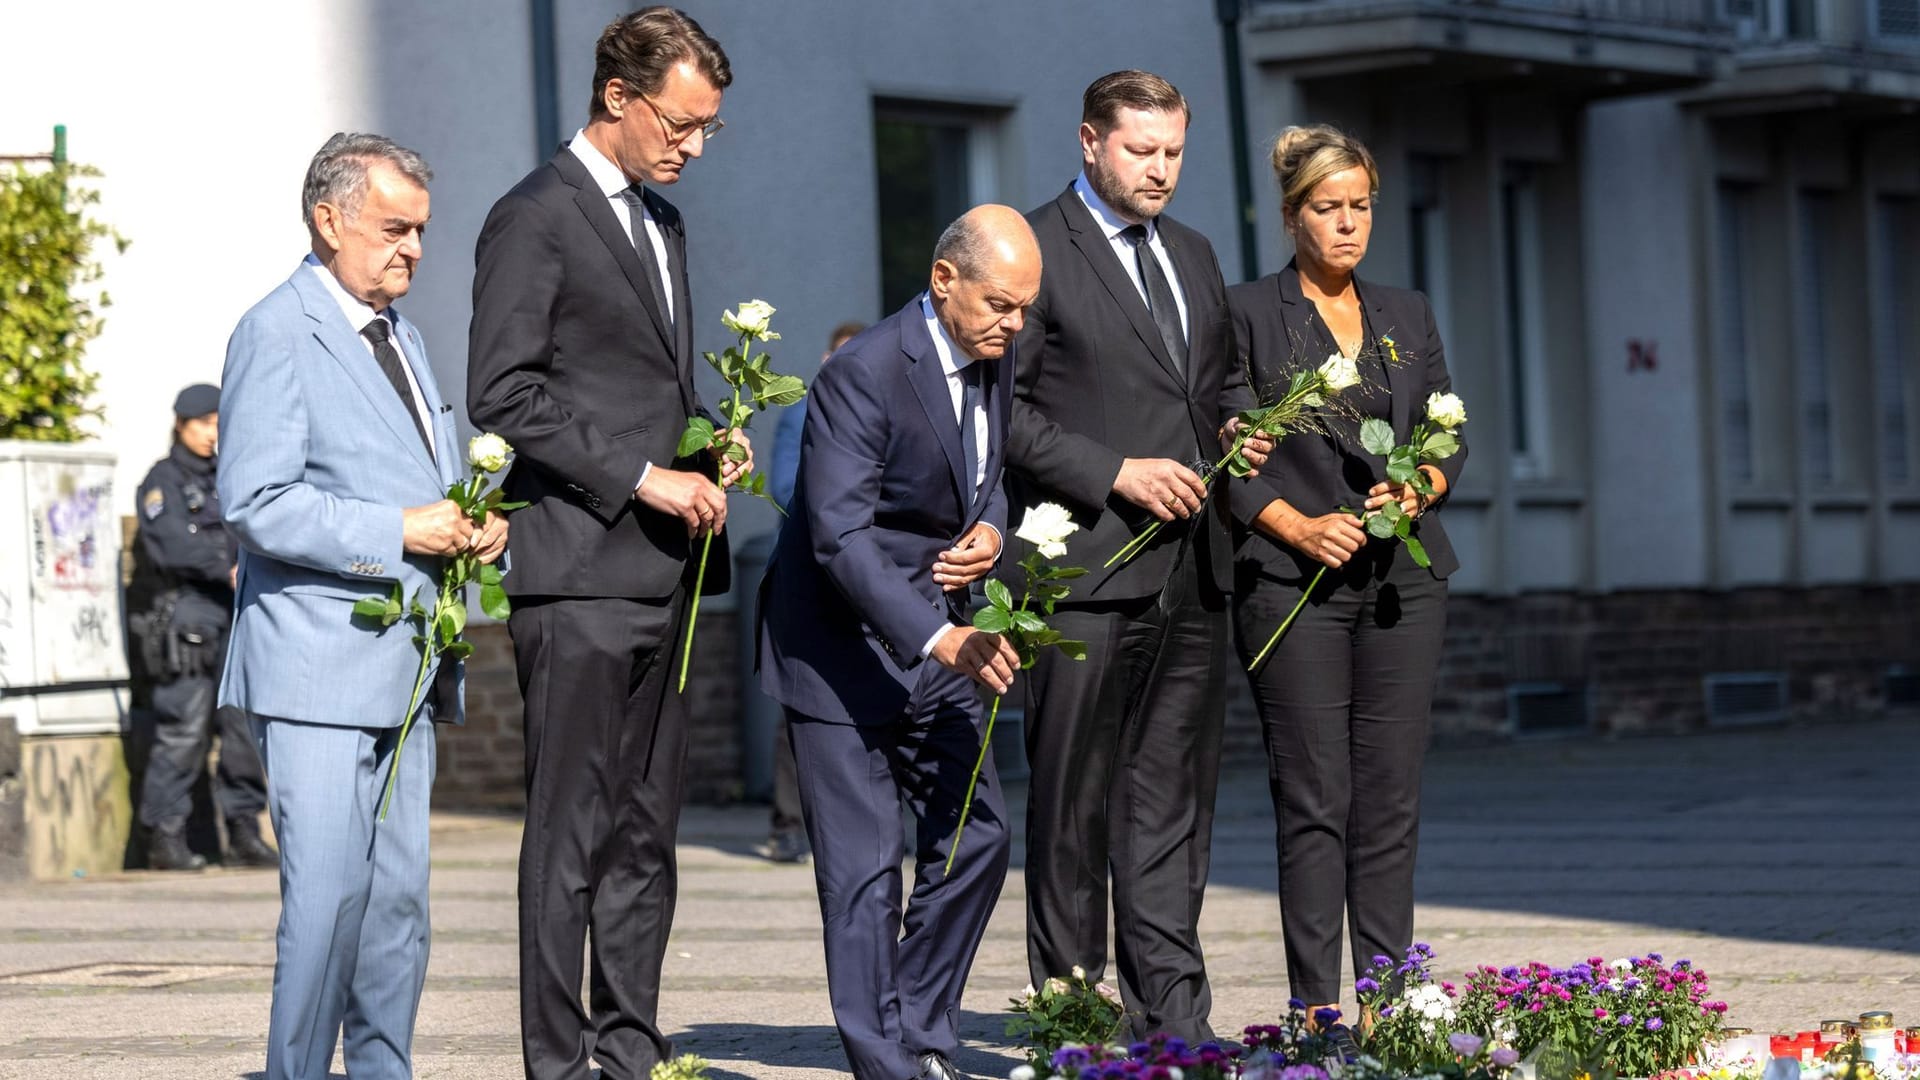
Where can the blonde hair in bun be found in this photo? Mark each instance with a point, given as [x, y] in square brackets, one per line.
[1304, 156]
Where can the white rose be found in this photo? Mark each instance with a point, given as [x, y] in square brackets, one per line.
[1340, 372]
[1021, 1072]
[1047, 527]
[1447, 410]
[488, 452]
[752, 318]
[1078, 971]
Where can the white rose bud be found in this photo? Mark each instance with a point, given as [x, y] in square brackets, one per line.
[1047, 527]
[1340, 372]
[1080, 973]
[488, 452]
[752, 318]
[1447, 410]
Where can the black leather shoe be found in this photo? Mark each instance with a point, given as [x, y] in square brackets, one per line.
[935, 1066]
[167, 850]
[245, 847]
[783, 847]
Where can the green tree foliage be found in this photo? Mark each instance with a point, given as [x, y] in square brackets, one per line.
[48, 313]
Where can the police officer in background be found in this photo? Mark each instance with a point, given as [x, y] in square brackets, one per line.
[182, 599]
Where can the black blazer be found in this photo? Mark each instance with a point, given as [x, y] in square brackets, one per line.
[570, 361]
[849, 597]
[1278, 330]
[1095, 385]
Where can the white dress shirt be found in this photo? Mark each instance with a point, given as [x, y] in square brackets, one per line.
[1111, 224]
[359, 313]
[951, 363]
[611, 181]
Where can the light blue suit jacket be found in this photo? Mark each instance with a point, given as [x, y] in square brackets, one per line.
[318, 457]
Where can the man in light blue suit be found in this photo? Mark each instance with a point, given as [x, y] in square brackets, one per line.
[336, 454]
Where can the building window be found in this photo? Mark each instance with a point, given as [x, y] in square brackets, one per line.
[1897, 18]
[934, 161]
[1428, 233]
[1732, 287]
[1818, 212]
[1896, 332]
[1525, 336]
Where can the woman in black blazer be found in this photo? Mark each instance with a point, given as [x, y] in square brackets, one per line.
[1344, 698]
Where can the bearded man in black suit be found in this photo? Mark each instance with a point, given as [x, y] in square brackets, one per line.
[1127, 391]
[581, 356]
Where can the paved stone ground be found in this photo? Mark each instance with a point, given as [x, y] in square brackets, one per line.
[1786, 862]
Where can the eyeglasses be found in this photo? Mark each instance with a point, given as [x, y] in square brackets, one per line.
[679, 131]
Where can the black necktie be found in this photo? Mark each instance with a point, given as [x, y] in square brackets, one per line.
[649, 259]
[1160, 301]
[970, 435]
[380, 333]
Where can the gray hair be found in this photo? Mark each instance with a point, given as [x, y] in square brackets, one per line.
[964, 244]
[338, 173]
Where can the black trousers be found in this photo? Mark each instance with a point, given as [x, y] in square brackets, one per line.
[895, 973]
[1344, 703]
[1125, 755]
[185, 721]
[606, 745]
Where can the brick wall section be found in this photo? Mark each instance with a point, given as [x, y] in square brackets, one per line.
[1642, 655]
[482, 764]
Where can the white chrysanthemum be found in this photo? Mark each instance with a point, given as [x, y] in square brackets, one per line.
[1047, 527]
[488, 452]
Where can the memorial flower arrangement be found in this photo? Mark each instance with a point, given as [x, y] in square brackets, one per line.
[1073, 1011]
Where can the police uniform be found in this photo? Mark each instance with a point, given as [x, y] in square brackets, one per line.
[184, 559]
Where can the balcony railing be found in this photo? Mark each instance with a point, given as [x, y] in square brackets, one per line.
[1694, 15]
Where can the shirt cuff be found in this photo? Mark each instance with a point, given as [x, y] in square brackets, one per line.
[645, 471]
[926, 651]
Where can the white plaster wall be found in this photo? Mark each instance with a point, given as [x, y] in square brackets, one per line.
[1649, 476]
[205, 147]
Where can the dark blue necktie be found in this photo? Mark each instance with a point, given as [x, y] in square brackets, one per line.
[1160, 302]
[969, 436]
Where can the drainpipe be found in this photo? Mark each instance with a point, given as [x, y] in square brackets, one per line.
[1229, 14]
[546, 106]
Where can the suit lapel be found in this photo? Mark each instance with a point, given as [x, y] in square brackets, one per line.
[446, 454]
[599, 213]
[673, 228]
[1094, 247]
[930, 386]
[344, 344]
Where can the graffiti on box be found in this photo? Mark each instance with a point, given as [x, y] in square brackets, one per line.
[66, 540]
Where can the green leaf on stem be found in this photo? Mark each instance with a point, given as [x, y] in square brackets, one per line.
[994, 620]
[697, 437]
[459, 650]
[1376, 435]
[1440, 444]
[1312, 399]
[1419, 552]
[505, 507]
[781, 390]
[739, 414]
[1074, 650]
[490, 574]
[999, 594]
[371, 607]
[1238, 466]
[493, 601]
[735, 451]
[1065, 573]
[1029, 623]
[1380, 526]
[417, 609]
[713, 360]
[1403, 527]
